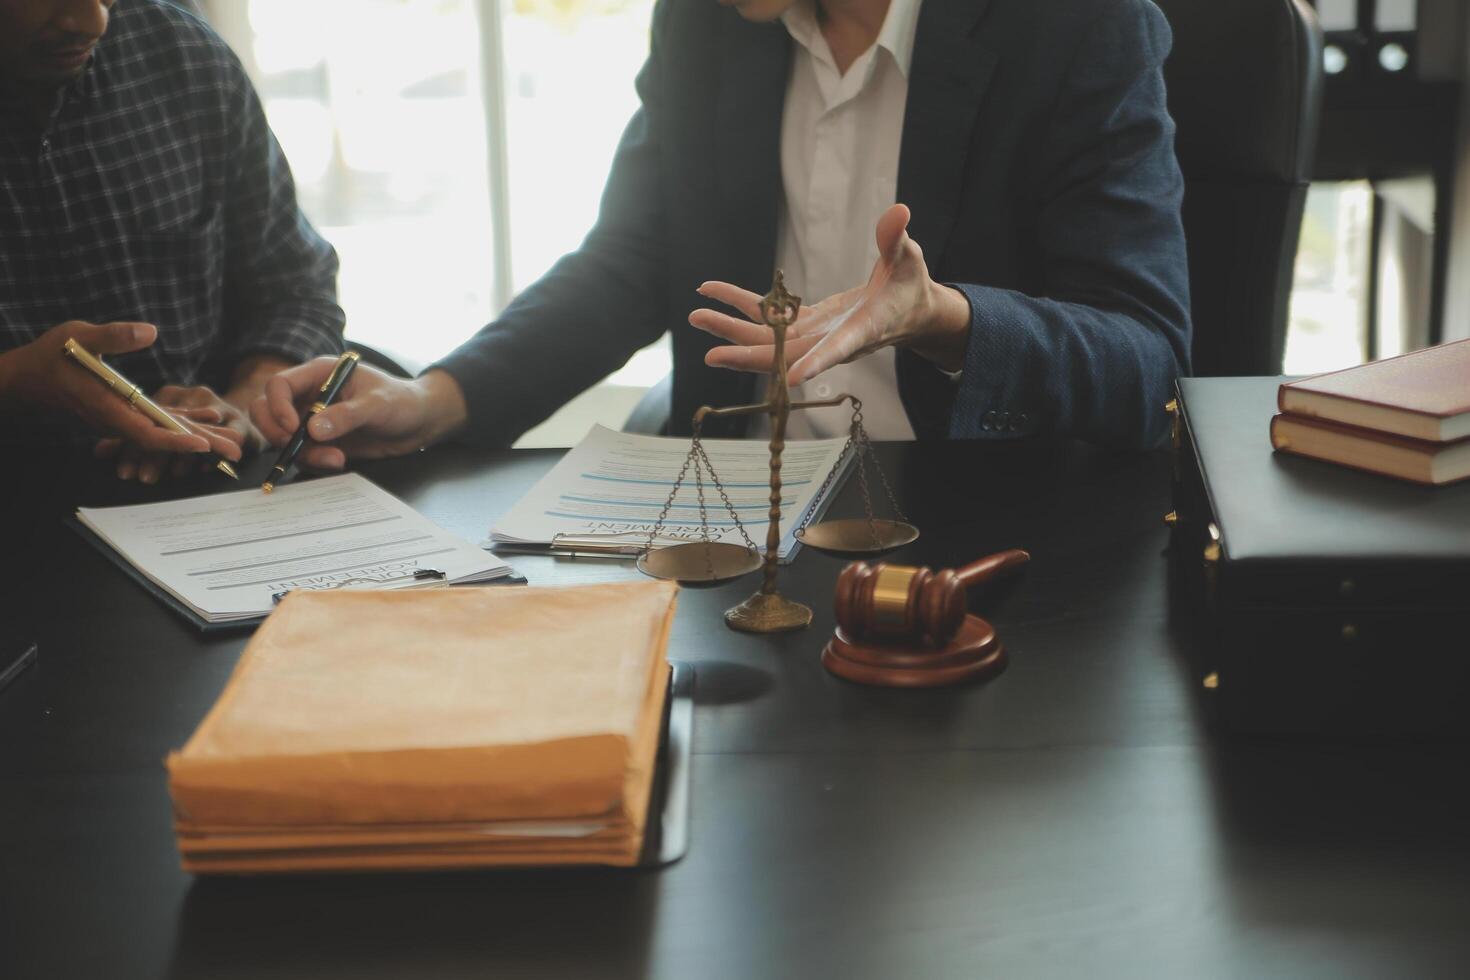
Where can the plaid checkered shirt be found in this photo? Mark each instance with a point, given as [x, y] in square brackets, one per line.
[157, 193]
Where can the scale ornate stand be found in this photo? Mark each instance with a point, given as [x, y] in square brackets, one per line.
[709, 562]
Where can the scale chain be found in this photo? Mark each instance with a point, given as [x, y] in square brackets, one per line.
[882, 477]
[858, 444]
[663, 515]
[861, 447]
[700, 460]
[826, 485]
[715, 478]
[709, 562]
[862, 463]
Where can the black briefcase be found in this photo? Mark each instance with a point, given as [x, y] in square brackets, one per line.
[1317, 599]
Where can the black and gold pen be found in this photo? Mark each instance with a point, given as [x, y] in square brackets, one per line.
[134, 396]
[341, 371]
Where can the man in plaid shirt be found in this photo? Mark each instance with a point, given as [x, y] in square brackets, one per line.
[147, 211]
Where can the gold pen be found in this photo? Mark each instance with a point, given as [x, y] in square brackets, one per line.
[134, 396]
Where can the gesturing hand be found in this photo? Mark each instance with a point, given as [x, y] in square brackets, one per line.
[899, 306]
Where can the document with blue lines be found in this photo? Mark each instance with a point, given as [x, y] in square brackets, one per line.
[607, 492]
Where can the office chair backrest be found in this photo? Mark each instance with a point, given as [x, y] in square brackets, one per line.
[1245, 89]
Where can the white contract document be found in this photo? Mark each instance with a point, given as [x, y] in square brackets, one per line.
[227, 556]
[611, 487]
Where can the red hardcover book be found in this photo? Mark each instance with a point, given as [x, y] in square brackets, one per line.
[1424, 395]
[1417, 460]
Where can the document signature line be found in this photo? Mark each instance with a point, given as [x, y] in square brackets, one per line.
[328, 571]
[319, 554]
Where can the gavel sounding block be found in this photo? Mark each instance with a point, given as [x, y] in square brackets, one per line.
[974, 654]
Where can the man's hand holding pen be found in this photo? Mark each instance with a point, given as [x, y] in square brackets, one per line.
[38, 378]
[374, 415]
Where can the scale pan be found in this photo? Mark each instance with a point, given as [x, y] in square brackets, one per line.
[690, 564]
[858, 538]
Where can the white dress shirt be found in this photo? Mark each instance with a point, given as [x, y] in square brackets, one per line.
[840, 138]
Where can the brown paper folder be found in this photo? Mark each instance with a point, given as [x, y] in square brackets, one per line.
[440, 728]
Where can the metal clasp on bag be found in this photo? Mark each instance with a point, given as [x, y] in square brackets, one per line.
[1212, 553]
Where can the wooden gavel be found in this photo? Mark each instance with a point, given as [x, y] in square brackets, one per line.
[882, 603]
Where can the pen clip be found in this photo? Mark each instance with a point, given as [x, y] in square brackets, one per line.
[349, 357]
[609, 542]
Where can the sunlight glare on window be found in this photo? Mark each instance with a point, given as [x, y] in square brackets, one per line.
[1330, 295]
[569, 70]
[378, 106]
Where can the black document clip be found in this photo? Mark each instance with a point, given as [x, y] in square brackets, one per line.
[420, 575]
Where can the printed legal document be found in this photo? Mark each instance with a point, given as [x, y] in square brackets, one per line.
[228, 556]
[612, 486]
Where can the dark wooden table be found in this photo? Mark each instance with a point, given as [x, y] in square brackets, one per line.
[1072, 818]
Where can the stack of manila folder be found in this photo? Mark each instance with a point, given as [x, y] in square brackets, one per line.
[432, 729]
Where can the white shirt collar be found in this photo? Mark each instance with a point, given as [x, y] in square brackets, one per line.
[896, 36]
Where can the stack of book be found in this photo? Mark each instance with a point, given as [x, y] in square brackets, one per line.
[1406, 417]
[448, 728]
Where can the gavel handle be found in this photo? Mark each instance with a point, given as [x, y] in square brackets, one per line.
[991, 566]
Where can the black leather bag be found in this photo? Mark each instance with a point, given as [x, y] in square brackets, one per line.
[1318, 599]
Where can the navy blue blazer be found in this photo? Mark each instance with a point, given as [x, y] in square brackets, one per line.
[1037, 159]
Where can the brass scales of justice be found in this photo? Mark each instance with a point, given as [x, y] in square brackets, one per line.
[710, 562]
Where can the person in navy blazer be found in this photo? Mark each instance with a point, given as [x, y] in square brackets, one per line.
[1038, 184]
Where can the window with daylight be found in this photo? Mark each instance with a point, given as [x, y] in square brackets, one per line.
[451, 150]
